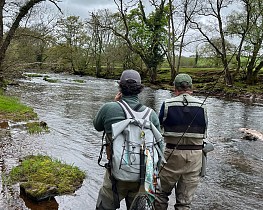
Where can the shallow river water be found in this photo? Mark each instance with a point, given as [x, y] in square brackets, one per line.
[235, 168]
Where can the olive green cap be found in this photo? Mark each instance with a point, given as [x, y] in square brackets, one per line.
[180, 78]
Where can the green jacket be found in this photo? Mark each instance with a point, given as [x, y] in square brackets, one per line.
[112, 112]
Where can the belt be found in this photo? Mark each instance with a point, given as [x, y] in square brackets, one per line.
[184, 147]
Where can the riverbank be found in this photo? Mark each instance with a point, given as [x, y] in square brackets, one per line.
[208, 82]
[39, 177]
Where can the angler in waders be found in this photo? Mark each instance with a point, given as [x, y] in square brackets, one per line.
[112, 190]
[184, 122]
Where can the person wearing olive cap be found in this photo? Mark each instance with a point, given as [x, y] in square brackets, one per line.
[183, 119]
[111, 112]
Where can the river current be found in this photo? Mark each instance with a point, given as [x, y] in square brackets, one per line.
[234, 177]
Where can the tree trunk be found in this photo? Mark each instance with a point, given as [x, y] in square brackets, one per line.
[152, 74]
[228, 76]
[9, 36]
[2, 3]
[98, 67]
[257, 69]
[171, 46]
[252, 76]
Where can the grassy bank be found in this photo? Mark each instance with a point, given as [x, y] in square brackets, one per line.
[13, 110]
[205, 80]
[39, 176]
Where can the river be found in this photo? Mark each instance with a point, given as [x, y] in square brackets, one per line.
[235, 168]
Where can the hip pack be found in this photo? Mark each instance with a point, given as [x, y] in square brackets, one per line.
[128, 136]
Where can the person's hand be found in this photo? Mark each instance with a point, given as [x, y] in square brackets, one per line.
[118, 96]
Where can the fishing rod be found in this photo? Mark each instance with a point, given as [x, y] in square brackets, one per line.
[221, 73]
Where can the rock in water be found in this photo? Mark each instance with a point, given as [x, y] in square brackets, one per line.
[251, 134]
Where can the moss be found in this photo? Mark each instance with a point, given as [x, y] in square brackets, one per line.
[46, 78]
[36, 127]
[41, 177]
[33, 75]
[79, 80]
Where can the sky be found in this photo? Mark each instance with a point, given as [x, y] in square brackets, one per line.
[83, 8]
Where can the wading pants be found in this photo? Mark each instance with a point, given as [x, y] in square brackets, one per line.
[182, 173]
[126, 190]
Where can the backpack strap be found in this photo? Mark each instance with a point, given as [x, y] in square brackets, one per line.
[132, 113]
[137, 107]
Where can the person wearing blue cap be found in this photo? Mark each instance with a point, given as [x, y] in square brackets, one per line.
[183, 119]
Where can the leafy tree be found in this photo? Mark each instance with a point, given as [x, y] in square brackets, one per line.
[101, 38]
[208, 50]
[212, 12]
[17, 16]
[143, 34]
[247, 25]
[71, 38]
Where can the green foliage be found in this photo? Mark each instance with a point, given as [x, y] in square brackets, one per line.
[38, 174]
[73, 38]
[148, 34]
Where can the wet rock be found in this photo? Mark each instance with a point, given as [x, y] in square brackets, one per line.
[32, 190]
[4, 124]
[251, 134]
[249, 137]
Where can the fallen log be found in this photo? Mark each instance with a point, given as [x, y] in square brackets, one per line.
[251, 134]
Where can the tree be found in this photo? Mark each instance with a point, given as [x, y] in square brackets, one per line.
[212, 12]
[101, 38]
[143, 34]
[209, 51]
[238, 25]
[254, 39]
[170, 52]
[6, 38]
[247, 26]
[31, 40]
[185, 12]
[71, 38]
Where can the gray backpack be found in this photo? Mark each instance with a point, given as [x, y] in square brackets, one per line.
[128, 136]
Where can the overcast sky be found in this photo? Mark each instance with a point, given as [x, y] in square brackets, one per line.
[82, 8]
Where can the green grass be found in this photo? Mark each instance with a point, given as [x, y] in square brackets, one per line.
[12, 109]
[36, 127]
[38, 174]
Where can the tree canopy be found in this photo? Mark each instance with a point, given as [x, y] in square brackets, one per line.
[142, 36]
